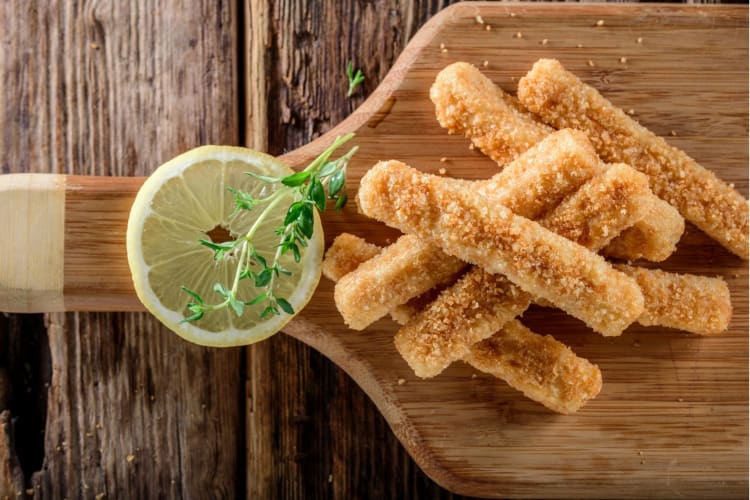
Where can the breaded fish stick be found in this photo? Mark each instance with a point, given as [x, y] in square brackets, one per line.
[653, 238]
[696, 304]
[602, 208]
[468, 102]
[530, 186]
[544, 369]
[488, 116]
[391, 278]
[469, 311]
[591, 216]
[481, 232]
[539, 179]
[562, 100]
[345, 255]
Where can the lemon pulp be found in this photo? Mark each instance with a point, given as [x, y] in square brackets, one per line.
[186, 200]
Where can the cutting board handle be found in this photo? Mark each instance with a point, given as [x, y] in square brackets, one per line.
[64, 243]
[32, 214]
[65, 234]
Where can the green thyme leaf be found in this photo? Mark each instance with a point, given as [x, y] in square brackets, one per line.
[318, 193]
[296, 179]
[219, 288]
[341, 201]
[305, 221]
[194, 295]
[336, 183]
[264, 178]
[237, 305]
[263, 277]
[284, 305]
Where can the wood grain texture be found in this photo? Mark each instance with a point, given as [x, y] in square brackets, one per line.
[312, 433]
[672, 419]
[116, 88]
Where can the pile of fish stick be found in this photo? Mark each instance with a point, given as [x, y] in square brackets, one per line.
[580, 182]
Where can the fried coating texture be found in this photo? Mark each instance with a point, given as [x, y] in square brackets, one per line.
[404, 313]
[602, 208]
[545, 370]
[391, 278]
[478, 304]
[538, 180]
[469, 103]
[481, 232]
[653, 238]
[696, 304]
[591, 216]
[542, 368]
[345, 255]
[562, 100]
[531, 185]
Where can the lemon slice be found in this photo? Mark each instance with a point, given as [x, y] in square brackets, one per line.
[187, 199]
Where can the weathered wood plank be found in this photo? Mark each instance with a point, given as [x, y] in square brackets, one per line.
[116, 88]
[312, 432]
[663, 359]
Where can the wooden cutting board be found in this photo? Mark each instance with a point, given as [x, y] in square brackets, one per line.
[672, 418]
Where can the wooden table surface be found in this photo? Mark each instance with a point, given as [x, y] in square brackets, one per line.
[112, 405]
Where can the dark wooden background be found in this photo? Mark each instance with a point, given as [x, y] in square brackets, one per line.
[106, 405]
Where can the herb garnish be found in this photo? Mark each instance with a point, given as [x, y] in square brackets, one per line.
[312, 187]
[354, 79]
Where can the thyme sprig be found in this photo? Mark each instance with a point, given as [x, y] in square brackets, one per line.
[355, 79]
[321, 181]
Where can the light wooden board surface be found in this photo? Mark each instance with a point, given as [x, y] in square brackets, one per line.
[672, 417]
[671, 420]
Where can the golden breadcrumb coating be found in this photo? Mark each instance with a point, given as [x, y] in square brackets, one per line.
[391, 278]
[696, 304]
[542, 368]
[684, 301]
[484, 233]
[478, 304]
[468, 102]
[345, 255]
[602, 208]
[404, 313]
[653, 238]
[591, 216]
[533, 184]
[539, 179]
[562, 100]
[545, 370]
